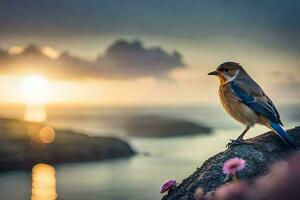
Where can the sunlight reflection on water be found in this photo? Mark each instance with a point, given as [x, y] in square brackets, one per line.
[43, 182]
[35, 113]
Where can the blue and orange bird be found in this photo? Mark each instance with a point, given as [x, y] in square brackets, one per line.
[246, 102]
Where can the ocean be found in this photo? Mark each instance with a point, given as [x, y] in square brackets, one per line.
[135, 178]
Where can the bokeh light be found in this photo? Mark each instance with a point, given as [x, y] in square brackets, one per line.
[47, 134]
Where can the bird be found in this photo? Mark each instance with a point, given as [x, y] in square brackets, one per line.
[246, 102]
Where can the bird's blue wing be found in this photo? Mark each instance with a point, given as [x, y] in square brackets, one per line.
[264, 108]
[274, 108]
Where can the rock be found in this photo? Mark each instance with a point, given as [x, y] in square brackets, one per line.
[21, 146]
[259, 152]
[161, 126]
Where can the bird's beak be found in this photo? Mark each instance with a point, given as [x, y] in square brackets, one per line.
[214, 73]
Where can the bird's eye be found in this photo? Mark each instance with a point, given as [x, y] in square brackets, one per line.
[226, 69]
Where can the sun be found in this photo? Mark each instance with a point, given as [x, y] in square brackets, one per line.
[35, 89]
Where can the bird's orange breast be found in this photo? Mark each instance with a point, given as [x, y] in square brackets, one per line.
[235, 108]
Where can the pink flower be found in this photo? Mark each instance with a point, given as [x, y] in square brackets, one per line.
[168, 186]
[233, 165]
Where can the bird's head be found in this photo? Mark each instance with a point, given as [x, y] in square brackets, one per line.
[227, 71]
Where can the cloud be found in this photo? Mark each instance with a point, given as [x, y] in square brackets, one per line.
[121, 60]
[125, 59]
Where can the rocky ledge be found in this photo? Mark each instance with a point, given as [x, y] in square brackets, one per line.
[259, 152]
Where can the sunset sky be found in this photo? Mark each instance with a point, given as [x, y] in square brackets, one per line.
[145, 52]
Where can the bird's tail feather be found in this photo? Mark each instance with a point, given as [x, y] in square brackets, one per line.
[277, 128]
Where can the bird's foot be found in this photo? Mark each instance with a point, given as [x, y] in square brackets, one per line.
[236, 142]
